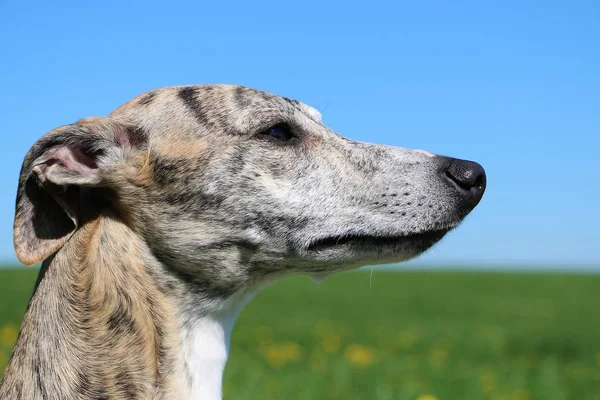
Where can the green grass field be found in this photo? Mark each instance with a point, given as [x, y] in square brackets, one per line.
[405, 335]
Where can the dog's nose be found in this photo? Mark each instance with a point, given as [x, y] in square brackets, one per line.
[468, 177]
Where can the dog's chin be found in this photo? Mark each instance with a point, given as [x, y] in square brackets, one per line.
[355, 250]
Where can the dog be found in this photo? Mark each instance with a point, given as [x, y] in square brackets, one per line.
[156, 224]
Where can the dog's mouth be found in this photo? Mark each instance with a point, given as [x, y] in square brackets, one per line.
[418, 240]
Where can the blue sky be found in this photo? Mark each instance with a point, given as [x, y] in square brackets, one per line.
[513, 85]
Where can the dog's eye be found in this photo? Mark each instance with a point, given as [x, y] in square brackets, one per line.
[279, 132]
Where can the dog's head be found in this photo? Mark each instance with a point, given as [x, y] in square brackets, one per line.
[228, 184]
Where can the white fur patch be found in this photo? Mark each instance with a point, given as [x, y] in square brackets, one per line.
[312, 112]
[206, 347]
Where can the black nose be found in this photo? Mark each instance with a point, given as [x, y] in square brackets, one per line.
[467, 176]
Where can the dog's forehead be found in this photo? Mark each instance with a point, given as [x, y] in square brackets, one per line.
[216, 109]
[246, 96]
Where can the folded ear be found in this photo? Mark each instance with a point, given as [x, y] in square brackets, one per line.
[54, 170]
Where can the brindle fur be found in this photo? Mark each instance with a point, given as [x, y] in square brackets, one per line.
[179, 204]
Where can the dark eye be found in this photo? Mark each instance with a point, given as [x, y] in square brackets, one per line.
[280, 132]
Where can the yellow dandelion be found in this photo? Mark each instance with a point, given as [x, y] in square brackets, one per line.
[427, 397]
[292, 351]
[278, 355]
[488, 382]
[438, 357]
[8, 335]
[598, 359]
[359, 355]
[521, 394]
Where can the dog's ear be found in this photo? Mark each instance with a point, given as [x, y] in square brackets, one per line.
[54, 170]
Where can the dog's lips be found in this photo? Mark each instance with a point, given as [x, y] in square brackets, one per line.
[425, 239]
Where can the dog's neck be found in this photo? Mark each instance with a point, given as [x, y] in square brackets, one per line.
[106, 320]
[205, 347]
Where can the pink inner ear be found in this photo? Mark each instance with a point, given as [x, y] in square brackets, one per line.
[70, 158]
[64, 165]
[82, 158]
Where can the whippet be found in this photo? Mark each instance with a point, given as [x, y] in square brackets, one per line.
[156, 224]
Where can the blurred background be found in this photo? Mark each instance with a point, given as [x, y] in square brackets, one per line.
[505, 307]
